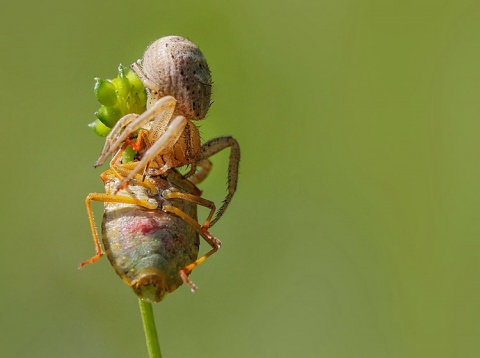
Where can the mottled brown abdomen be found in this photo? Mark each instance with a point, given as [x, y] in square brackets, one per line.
[179, 68]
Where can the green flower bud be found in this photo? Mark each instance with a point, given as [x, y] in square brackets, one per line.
[121, 82]
[99, 128]
[109, 115]
[135, 81]
[105, 92]
[138, 95]
[120, 96]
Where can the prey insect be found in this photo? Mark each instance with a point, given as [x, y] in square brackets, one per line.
[150, 230]
[178, 81]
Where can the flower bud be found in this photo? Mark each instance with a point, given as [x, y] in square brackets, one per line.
[109, 115]
[105, 92]
[121, 82]
[99, 128]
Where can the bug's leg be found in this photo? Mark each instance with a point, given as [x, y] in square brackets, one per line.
[109, 198]
[203, 231]
[214, 146]
[115, 159]
[167, 194]
[161, 110]
[198, 176]
[98, 248]
[125, 169]
[162, 144]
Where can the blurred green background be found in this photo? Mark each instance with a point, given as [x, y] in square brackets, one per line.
[354, 231]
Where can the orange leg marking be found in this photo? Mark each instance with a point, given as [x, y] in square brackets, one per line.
[137, 145]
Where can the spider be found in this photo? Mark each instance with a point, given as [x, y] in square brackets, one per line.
[179, 85]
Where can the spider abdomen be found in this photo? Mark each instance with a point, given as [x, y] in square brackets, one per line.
[180, 70]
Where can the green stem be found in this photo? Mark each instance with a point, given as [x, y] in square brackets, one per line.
[150, 330]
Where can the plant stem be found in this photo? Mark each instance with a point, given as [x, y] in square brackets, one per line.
[150, 329]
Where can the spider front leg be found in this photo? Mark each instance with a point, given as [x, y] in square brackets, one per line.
[136, 145]
[152, 86]
[212, 147]
[112, 137]
[160, 111]
[166, 141]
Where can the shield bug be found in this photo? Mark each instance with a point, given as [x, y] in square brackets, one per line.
[178, 81]
[150, 230]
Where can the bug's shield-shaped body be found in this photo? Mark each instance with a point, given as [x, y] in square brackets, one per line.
[147, 248]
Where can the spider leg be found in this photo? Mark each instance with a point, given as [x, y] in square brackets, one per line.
[145, 80]
[166, 141]
[198, 176]
[214, 146]
[113, 136]
[161, 110]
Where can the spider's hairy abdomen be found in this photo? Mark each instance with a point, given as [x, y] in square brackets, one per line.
[180, 70]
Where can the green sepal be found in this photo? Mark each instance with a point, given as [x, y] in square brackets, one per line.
[109, 115]
[134, 80]
[99, 128]
[120, 96]
[121, 82]
[105, 92]
[139, 95]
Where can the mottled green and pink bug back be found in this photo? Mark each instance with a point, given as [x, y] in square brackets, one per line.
[148, 248]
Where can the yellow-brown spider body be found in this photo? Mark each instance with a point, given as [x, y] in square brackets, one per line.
[178, 81]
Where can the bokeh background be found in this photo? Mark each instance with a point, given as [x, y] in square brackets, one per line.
[355, 228]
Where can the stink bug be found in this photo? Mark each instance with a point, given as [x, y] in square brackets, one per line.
[150, 230]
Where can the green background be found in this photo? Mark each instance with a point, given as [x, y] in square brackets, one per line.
[354, 231]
